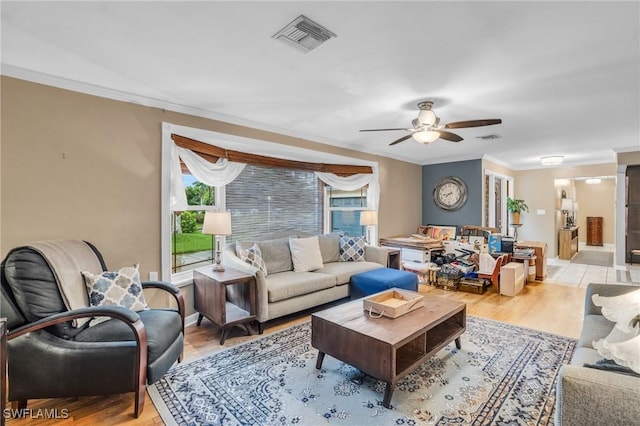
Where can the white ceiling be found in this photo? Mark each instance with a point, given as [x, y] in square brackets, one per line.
[563, 76]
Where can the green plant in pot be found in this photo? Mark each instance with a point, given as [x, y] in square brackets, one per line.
[515, 206]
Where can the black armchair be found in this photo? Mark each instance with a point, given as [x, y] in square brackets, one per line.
[50, 358]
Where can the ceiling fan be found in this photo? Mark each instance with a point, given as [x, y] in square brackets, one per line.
[427, 127]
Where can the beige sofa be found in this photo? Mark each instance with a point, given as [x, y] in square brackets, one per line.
[284, 291]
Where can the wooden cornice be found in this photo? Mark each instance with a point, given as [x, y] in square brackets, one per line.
[213, 153]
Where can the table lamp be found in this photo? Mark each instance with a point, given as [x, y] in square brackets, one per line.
[368, 218]
[217, 224]
[566, 206]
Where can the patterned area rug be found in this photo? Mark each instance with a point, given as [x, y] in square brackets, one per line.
[502, 375]
[552, 270]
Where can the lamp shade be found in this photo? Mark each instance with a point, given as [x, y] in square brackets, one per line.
[426, 136]
[217, 223]
[567, 204]
[369, 217]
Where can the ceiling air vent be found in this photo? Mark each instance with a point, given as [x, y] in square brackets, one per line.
[304, 34]
[488, 137]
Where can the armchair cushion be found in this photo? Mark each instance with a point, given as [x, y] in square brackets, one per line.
[163, 326]
[122, 288]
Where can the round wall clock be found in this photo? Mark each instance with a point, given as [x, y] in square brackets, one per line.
[450, 193]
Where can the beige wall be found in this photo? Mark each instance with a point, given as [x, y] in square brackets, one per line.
[80, 166]
[537, 188]
[629, 158]
[596, 200]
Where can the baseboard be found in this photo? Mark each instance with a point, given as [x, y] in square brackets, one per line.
[191, 319]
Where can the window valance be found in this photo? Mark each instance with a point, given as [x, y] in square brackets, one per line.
[217, 166]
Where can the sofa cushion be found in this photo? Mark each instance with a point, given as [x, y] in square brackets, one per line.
[253, 256]
[276, 253]
[305, 254]
[286, 285]
[352, 249]
[594, 327]
[583, 356]
[344, 270]
[329, 247]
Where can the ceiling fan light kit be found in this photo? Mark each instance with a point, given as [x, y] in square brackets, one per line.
[427, 136]
[427, 128]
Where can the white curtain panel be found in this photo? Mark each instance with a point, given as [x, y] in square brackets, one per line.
[219, 173]
[353, 182]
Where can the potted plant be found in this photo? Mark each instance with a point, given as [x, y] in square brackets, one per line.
[515, 206]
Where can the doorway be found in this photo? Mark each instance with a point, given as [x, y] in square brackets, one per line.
[498, 188]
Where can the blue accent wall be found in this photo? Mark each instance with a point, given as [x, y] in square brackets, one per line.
[471, 213]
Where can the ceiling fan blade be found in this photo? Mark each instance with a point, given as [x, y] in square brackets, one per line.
[383, 130]
[402, 139]
[472, 123]
[451, 137]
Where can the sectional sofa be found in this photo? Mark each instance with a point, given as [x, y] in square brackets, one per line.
[283, 290]
[589, 392]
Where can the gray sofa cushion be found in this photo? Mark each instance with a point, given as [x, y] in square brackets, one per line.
[594, 327]
[289, 284]
[343, 270]
[329, 247]
[583, 356]
[275, 253]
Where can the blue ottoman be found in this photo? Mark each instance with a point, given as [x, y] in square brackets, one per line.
[377, 280]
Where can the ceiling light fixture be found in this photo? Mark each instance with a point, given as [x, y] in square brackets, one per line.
[551, 160]
[593, 181]
[426, 136]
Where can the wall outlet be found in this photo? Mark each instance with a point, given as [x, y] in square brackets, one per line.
[153, 276]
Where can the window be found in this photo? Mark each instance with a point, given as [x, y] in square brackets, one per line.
[268, 200]
[190, 248]
[343, 211]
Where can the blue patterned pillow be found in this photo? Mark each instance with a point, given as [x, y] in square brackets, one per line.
[352, 249]
[122, 288]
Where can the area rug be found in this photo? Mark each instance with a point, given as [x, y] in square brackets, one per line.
[552, 270]
[502, 375]
[592, 257]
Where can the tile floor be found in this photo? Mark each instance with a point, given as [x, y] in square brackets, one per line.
[577, 275]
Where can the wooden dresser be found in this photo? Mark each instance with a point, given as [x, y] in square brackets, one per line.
[594, 231]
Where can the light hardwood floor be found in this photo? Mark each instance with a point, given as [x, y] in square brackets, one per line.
[549, 306]
[552, 308]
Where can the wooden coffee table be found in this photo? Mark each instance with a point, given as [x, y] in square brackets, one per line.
[385, 348]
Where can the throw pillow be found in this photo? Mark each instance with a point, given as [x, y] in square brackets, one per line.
[253, 256]
[305, 254]
[122, 288]
[619, 309]
[352, 249]
[625, 353]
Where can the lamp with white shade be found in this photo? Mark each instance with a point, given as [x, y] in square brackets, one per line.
[566, 206]
[369, 218]
[217, 224]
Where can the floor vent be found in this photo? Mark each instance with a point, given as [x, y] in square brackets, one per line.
[304, 34]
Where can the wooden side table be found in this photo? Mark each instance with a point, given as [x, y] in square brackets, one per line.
[393, 258]
[226, 298]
